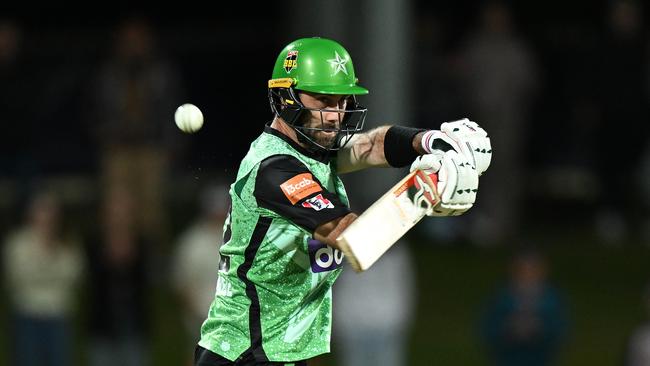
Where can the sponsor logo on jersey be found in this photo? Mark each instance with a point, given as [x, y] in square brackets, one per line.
[323, 258]
[291, 61]
[299, 187]
[318, 203]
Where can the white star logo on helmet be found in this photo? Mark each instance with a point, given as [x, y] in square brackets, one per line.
[338, 63]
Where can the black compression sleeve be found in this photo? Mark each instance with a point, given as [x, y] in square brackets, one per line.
[398, 145]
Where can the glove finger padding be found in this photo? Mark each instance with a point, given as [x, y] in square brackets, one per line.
[472, 140]
[429, 163]
[457, 185]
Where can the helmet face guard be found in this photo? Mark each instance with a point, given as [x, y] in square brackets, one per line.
[287, 105]
[320, 66]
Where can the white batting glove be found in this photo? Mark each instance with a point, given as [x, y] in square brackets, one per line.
[436, 140]
[457, 181]
[429, 163]
[470, 140]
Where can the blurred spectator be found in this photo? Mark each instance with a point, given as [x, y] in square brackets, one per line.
[43, 269]
[638, 348]
[373, 311]
[118, 286]
[526, 322]
[197, 259]
[10, 39]
[438, 90]
[499, 75]
[15, 102]
[623, 99]
[135, 95]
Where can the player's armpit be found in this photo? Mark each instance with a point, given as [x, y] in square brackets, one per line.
[328, 232]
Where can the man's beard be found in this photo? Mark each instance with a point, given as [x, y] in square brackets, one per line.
[316, 136]
[328, 141]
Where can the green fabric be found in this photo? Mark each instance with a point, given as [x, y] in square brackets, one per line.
[295, 302]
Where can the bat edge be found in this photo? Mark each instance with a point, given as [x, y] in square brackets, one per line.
[349, 254]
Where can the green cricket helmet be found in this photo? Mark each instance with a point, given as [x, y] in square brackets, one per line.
[322, 66]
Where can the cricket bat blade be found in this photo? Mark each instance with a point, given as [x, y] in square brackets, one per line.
[388, 219]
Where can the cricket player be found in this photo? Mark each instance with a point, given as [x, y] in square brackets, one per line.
[279, 258]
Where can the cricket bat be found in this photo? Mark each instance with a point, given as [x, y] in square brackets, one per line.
[388, 219]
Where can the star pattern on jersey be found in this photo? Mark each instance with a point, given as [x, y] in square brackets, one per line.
[338, 63]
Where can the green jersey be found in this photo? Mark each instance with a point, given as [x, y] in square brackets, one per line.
[274, 297]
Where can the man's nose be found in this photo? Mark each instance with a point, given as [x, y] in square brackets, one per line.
[332, 117]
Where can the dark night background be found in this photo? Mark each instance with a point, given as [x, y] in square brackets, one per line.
[569, 125]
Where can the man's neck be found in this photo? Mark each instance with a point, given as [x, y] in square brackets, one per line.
[280, 125]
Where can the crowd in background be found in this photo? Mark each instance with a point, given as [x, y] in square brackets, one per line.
[567, 110]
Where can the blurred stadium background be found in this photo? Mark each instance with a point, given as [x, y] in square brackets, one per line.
[91, 161]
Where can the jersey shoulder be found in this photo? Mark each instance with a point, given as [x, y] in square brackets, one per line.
[286, 186]
[288, 174]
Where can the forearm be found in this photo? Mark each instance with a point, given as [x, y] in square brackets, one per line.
[383, 146]
[365, 150]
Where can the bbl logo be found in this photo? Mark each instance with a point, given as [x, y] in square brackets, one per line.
[291, 61]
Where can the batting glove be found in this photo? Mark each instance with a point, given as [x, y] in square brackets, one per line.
[471, 141]
[457, 181]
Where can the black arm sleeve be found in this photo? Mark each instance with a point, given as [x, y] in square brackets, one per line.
[398, 146]
[285, 186]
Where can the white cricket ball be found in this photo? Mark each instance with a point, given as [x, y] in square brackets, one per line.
[188, 118]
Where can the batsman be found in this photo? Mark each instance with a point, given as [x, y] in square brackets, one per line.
[279, 258]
